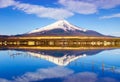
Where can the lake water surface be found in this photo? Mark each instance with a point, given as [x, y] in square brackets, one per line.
[60, 66]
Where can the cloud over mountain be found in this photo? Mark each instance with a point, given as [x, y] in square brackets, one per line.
[45, 12]
[79, 6]
[68, 7]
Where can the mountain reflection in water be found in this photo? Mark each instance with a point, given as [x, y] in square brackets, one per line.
[62, 58]
[101, 65]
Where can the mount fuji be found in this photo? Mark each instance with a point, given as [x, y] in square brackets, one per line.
[62, 27]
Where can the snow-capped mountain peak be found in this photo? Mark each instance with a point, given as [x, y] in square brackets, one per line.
[62, 28]
[61, 24]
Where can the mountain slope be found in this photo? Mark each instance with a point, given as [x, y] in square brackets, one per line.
[62, 24]
[62, 27]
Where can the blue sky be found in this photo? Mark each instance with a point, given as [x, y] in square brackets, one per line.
[21, 16]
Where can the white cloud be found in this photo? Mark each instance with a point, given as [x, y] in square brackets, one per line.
[4, 80]
[82, 77]
[88, 77]
[104, 4]
[60, 72]
[40, 11]
[6, 3]
[68, 8]
[111, 16]
[88, 6]
[55, 72]
[41, 74]
[79, 6]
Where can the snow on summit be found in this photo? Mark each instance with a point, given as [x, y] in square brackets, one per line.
[61, 24]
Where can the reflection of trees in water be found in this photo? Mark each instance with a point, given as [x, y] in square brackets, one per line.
[94, 65]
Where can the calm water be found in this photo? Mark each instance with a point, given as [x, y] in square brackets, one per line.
[60, 66]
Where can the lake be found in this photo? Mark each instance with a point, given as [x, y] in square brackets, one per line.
[100, 65]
